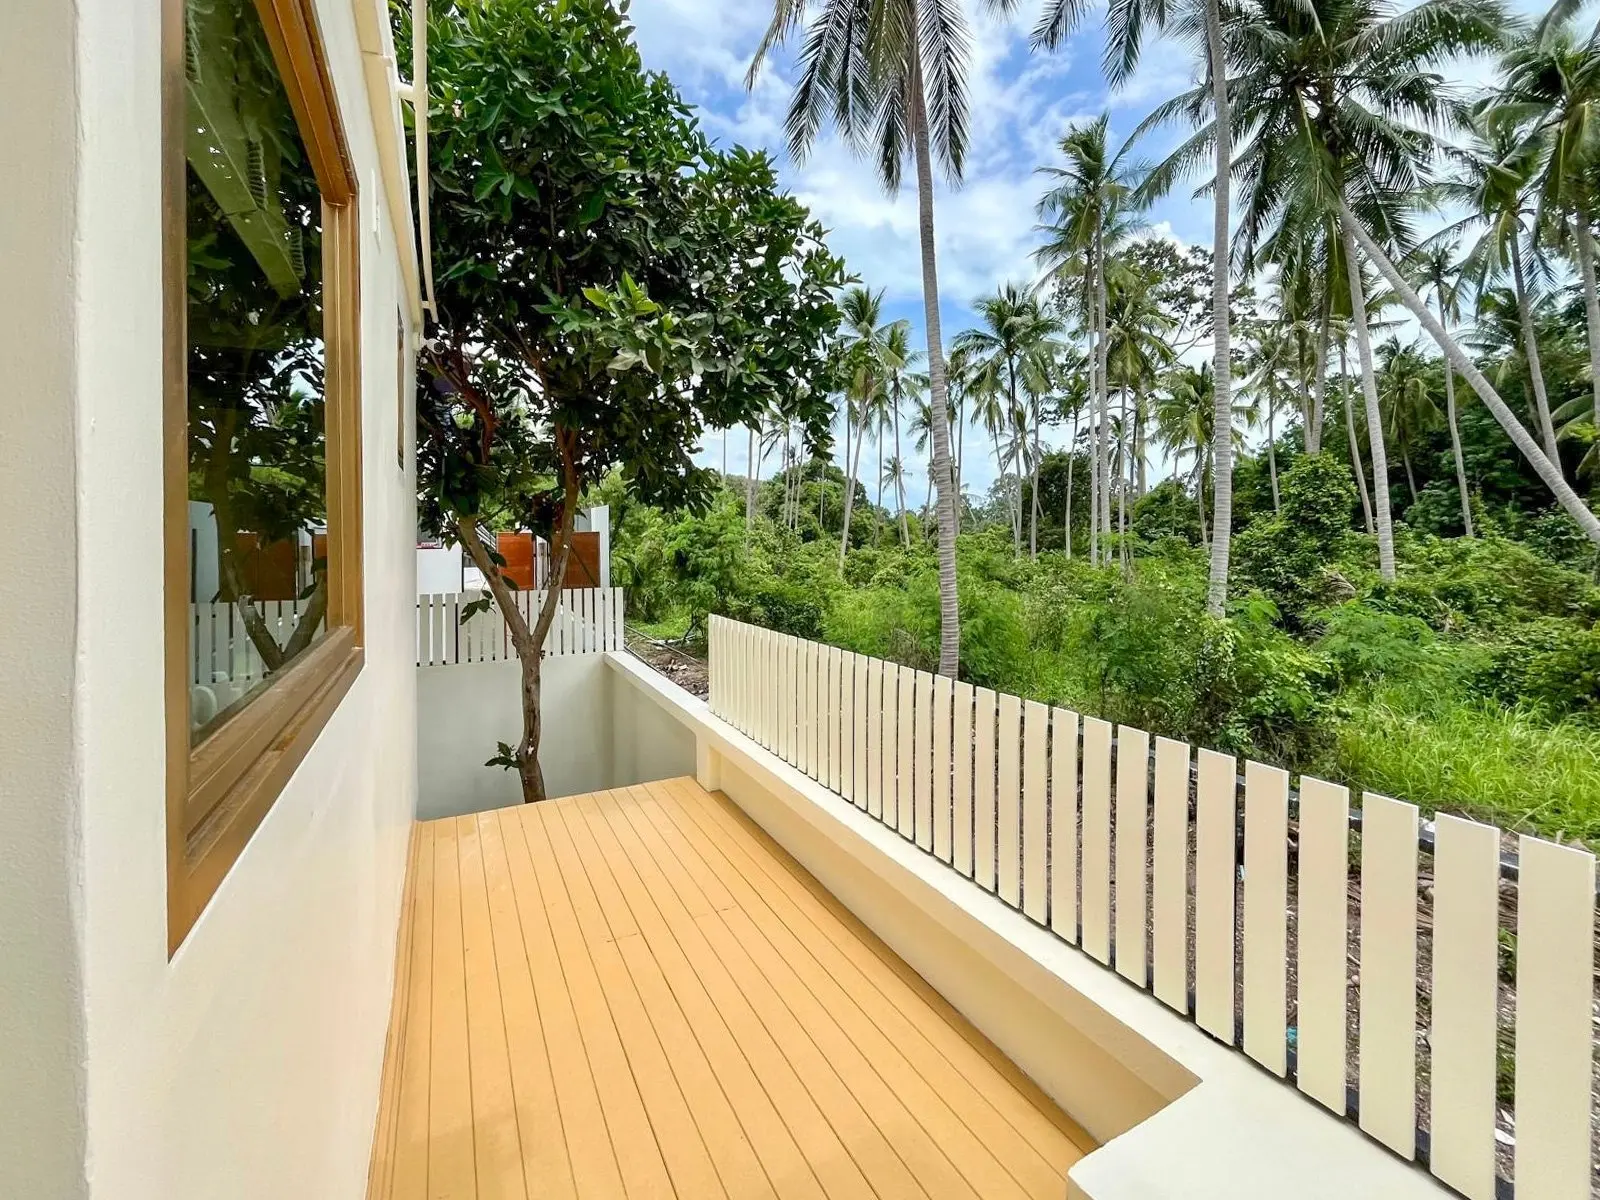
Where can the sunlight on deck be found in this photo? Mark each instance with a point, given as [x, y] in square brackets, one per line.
[637, 993]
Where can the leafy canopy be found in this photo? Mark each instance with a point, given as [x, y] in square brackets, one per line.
[609, 284]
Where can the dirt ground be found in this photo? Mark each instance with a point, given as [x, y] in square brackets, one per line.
[679, 665]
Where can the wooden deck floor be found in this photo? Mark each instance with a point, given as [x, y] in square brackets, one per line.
[637, 993]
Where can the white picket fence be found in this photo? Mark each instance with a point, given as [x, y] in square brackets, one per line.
[589, 621]
[1082, 828]
[220, 650]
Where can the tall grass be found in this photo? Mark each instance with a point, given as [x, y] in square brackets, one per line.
[1501, 765]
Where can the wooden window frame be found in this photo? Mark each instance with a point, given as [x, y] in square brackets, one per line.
[219, 790]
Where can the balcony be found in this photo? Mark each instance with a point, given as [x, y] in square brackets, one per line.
[637, 992]
[849, 929]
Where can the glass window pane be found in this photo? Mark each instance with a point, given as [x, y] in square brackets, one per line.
[257, 472]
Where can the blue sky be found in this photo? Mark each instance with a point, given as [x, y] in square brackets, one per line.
[1021, 105]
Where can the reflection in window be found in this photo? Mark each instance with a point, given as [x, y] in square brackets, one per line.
[257, 472]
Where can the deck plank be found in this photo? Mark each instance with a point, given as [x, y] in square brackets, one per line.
[637, 993]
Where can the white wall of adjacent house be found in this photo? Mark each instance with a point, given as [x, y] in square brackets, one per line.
[248, 1065]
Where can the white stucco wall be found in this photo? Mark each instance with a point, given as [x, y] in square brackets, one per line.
[246, 1067]
[596, 733]
[42, 1079]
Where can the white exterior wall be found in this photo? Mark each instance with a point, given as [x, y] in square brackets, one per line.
[248, 1066]
[42, 1032]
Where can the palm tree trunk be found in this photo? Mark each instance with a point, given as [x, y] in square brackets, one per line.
[1072, 457]
[900, 474]
[1530, 346]
[750, 491]
[1352, 441]
[1124, 484]
[1200, 499]
[1548, 471]
[1103, 435]
[1033, 513]
[1369, 390]
[1319, 386]
[850, 488]
[1591, 303]
[960, 460]
[1272, 459]
[1222, 354]
[1455, 432]
[877, 516]
[949, 609]
[1411, 476]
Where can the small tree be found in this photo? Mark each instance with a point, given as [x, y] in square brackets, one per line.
[609, 287]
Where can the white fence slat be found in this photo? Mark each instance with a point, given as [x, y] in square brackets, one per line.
[1322, 937]
[889, 743]
[1132, 852]
[1555, 965]
[438, 631]
[943, 693]
[1008, 800]
[766, 654]
[1035, 815]
[983, 789]
[905, 728]
[1266, 916]
[847, 727]
[786, 685]
[1064, 823]
[858, 727]
[839, 724]
[830, 717]
[1465, 1005]
[875, 727]
[452, 629]
[816, 735]
[1215, 876]
[1096, 874]
[961, 750]
[802, 707]
[1169, 900]
[1389, 972]
[922, 772]
[1096, 839]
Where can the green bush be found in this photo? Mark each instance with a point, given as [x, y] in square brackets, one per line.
[1550, 664]
[1286, 556]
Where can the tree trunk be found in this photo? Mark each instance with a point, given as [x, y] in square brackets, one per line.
[1353, 441]
[1222, 355]
[1319, 386]
[1455, 432]
[877, 516]
[1591, 303]
[1369, 390]
[1123, 484]
[1272, 459]
[1530, 347]
[960, 460]
[529, 643]
[850, 488]
[1072, 456]
[750, 490]
[1033, 511]
[1548, 471]
[1103, 412]
[949, 608]
[900, 475]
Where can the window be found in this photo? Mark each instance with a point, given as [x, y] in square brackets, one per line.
[263, 571]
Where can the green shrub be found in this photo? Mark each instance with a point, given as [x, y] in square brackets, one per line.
[1550, 664]
[1286, 556]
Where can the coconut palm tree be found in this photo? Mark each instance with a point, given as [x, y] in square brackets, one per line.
[1200, 23]
[891, 74]
[1407, 398]
[1551, 89]
[1494, 175]
[1434, 265]
[873, 349]
[1015, 347]
[1087, 213]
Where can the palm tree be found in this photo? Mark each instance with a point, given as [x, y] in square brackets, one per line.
[1434, 265]
[1201, 22]
[1494, 176]
[1087, 214]
[1015, 348]
[1185, 419]
[1552, 90]
[901, 385]
[1408, 406]
[874, 351]
[891, 75]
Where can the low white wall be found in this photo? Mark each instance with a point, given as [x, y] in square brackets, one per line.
[596, 735]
